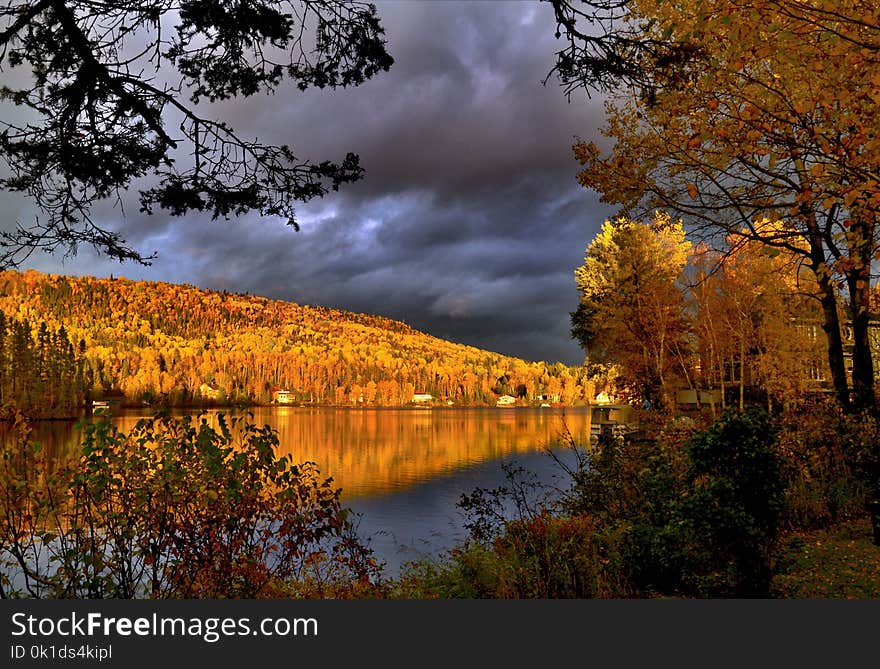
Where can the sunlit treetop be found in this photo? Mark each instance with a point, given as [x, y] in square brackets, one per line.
[772, 114]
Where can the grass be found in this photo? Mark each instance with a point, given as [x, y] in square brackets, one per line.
[839, 562]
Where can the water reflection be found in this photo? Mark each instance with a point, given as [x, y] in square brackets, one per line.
[375, 452]
[424, 520]
[402, 471]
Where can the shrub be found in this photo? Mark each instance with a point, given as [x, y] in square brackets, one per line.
[736, 494]
[861, 445]
[633, 487]
[547, 557]
[176, 508]
[688, 512]
[543, 557]
[519, 547]
[823, 448]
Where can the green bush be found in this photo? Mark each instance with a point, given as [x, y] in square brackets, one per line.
[634, 488]
[688, 512]
[736, 495]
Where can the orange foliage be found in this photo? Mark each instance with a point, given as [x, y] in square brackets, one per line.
[179, 344]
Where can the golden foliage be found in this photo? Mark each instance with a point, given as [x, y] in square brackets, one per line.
[162, 343]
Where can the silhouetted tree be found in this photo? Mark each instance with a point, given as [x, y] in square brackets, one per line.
[604, 50]
[111, 93]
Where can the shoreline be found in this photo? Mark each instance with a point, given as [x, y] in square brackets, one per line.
[190, 408]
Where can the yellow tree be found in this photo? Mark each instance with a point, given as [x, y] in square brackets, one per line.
[752, 311]
[706, 304]
[631, 312]
[768, 110]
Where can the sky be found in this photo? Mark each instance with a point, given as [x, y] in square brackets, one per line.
[469, 222]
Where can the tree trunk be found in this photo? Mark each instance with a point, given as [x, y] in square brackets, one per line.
[723, 388]
[828, 299]
[858, 283]
[742, 374]
[709, 380]
[831, 327]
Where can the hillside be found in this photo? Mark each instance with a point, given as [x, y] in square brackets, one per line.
[178, 344]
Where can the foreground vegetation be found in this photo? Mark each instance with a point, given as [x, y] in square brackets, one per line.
[177, 508]
[749, 505]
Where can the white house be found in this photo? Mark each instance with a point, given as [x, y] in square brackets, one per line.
[282, 396]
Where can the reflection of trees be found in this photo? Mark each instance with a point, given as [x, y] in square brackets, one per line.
[58, 438]
[374, 451]
[371, 452]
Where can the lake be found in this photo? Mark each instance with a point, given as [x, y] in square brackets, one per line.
[403, 470]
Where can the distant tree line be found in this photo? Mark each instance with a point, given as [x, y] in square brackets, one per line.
[41, 374]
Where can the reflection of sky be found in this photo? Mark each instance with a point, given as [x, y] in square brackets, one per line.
[469, 222]
[423, 521]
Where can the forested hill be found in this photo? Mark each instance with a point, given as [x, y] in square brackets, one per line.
[176, 344]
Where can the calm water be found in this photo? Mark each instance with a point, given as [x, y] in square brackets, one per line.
[404, 470]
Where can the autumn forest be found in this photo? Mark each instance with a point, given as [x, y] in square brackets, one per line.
[172, 345]
[723, 206]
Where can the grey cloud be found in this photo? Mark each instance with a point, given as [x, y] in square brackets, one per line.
[468, 224]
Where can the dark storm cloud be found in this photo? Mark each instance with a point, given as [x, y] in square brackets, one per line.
[468, 224]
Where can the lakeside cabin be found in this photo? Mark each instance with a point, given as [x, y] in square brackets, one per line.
[282, 396]
[506, 401]
[422, 398]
